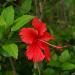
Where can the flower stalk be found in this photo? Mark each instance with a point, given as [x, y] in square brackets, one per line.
[36, 67]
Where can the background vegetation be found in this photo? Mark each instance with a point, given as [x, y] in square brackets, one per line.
[59, 15]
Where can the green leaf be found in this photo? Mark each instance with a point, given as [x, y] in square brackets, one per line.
[2, 27]
[21, 21]
[64, 56]
[26, 6]
[54, 63]
[8, 15]
[4, 53]
[49, 71]
[54, 57]
[2, 21]
[11, 49]
[68, 66]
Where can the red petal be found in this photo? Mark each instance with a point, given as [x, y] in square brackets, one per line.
[46, 50]
[41, 27]
[28, 35]
[34, 53]
[46, 37]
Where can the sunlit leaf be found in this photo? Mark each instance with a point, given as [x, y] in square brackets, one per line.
[8, 15]
[21, 21]
[11, 49]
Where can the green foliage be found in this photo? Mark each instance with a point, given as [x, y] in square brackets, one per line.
[49, 71]
[54, 63]
[21, 21]
[9, 22]
[8, 73]
[11, 50]
[25, 6]
[64, 56]
[2, 27]
[2, 22]
[68, 66]
[8, 15]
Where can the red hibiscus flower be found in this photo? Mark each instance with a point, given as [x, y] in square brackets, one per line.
[36, 37]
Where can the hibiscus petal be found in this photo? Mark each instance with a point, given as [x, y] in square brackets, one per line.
[46, 50]
[28, 35]
[46, 37]
[41, 27]
[34, 53]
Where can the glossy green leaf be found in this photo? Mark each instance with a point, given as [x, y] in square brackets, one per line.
[2, 27]
[11, 49]
[21, 21]
[68, 66]
[64, 56]
[8, 15]
[2, 21]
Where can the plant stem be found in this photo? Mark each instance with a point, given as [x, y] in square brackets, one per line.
[35, 67]
[38, 69]
[13, 67]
